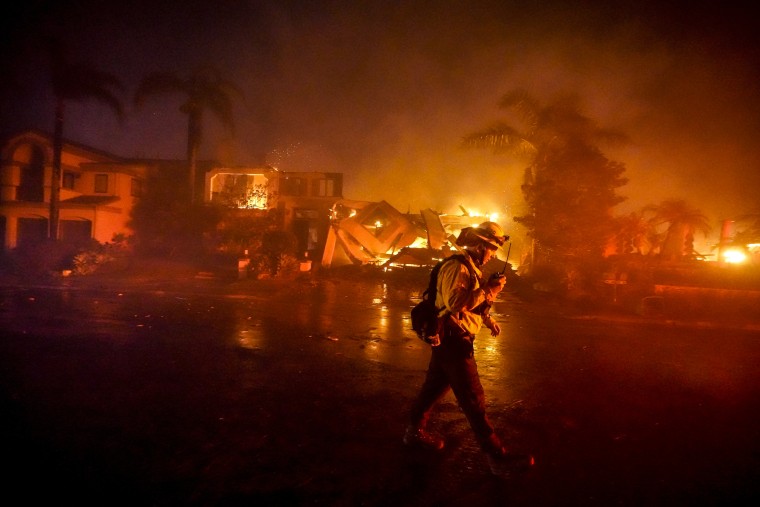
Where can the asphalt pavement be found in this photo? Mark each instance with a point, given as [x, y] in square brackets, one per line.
[183, 390]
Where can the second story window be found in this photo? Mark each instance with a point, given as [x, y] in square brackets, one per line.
[101, 183]
[330, 186]
[325, 188]
[68, 180]
[32, 184]
[293, 187]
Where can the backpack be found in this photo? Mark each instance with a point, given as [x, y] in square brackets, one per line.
[424, 314]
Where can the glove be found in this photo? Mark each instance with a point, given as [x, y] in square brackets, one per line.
[496, 283]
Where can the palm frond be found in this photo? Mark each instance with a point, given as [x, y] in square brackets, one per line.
[500, 138]
[203, 89]
[676, 211]
[524, 105]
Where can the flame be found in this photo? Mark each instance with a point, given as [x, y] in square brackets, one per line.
[734, 256]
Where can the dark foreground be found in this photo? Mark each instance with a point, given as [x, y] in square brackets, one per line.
[267, 393]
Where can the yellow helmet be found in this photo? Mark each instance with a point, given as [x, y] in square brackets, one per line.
[491, 233]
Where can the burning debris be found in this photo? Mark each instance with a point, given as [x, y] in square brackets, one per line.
[376, 233]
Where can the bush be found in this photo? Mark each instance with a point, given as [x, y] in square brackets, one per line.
[42, 259]
[97, 255]
[276, 254]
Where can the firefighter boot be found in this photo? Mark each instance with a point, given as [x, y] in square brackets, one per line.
[419, 438]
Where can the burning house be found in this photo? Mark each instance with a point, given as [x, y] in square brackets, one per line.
[99, 190]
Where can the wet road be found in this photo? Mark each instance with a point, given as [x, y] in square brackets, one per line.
[271, 393]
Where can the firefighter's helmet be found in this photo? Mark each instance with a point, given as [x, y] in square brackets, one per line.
[491, 233]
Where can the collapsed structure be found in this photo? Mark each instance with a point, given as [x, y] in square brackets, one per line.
[376, 233]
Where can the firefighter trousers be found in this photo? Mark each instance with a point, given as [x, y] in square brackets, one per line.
[453, 368]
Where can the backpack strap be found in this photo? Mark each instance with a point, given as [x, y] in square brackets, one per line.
[433, 283]
[465, 259]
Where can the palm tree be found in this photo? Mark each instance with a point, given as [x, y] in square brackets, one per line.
[564, 165]
[682, 222]
[542, 127]
[203, 89]
[73, 82]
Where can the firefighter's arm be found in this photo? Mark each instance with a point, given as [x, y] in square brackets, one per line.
[491, 288]
[491, 324]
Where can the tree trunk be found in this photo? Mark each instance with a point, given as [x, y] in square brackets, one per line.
[55, 181]
[673, 245]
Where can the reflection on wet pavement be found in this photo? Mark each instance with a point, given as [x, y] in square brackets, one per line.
[297, 394]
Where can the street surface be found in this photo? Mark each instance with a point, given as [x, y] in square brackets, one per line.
[295, 393]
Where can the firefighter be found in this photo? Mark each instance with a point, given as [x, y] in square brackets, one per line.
[464, 298]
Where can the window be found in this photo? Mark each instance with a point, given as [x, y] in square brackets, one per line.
[31, 186]
[101, 183]
[68, 180]
[326, 188]
[293, 187]
[329, 186]
[240, 190]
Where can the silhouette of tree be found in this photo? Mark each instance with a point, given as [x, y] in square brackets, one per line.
[682, 222]
[204, 89]
[74, 81]
[542, 128]
[166, 226]
[634, 233]
[569, 185]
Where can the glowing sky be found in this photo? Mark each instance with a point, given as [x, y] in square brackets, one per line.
[383, 91]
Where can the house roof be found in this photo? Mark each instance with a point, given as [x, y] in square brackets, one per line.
[70, 146]
[91, 200]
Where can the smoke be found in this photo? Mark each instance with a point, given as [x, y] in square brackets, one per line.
[383, 92]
